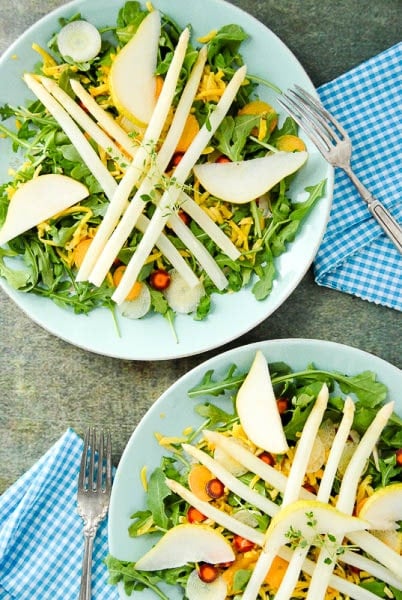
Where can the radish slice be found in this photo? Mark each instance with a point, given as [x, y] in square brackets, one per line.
[79, 40]
[137, 308]
[180, 296]
[198, 590]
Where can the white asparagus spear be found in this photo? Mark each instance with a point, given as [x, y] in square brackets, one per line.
[291, 576]
[140, 162]
[208, 225]
[104, 119]
[292, 490]
[73, 132]
[136, 206]
[231, 482]
[84, 121]
[199, 251]
[347, 495]
[170, 197]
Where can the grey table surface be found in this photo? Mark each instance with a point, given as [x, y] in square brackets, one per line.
[48, 385]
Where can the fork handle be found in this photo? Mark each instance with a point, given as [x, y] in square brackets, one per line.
[86, 578]
[389, 225]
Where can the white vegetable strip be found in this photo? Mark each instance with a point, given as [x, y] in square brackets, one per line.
[209, 226]
[337, 583]
[199, 251]
[168, 249]
[378, 550]
[304, 447]
[370, 566]
[139, 163]
[73, 132]
[217, 515]
[135, 208]
[292, 490]
[170, 197]
[231, 482]
[84, 121]
[347, 495]
[104, 119]
[248, 459]
[296, 563]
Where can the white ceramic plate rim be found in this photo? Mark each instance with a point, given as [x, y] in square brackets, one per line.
[173, 411]
[233, 315]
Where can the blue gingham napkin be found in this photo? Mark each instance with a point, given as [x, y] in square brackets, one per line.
[355, 255]
[41, 539]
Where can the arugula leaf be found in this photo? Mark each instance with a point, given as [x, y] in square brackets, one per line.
[157, 492]
[232, 135]
[214, 414]
[224, 46]
[129, 18]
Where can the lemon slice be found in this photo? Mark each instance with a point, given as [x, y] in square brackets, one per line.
[383, 508]
[132, 79]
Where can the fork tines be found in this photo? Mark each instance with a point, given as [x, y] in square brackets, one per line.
[96, 462]
[317, 122]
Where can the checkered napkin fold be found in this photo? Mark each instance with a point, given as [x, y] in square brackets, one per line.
[41, 534]
[355, 255]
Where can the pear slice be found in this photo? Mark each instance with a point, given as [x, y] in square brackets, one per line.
[307, 519]
[39, 199]
[132, 79]
[258, 410]
[243, 181]
[384, 507]
[186, 543]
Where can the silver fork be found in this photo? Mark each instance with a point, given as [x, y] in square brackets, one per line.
[94, 488]
[333, 142]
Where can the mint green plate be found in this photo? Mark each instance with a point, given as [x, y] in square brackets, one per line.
[233, 315]
[174, 411]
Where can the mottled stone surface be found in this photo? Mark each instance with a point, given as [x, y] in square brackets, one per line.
[48, 385]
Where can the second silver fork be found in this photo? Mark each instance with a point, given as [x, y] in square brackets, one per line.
[333, 142]
[94, 489]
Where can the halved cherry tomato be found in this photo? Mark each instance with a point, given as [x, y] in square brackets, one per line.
[222, 159]
[241, 544]
[194, 515]
[267, 458]
[398, 455]
[283, 405]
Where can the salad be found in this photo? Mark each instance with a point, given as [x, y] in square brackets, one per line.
[239, 508]
[155, 230]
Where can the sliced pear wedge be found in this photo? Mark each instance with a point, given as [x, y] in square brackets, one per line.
[310, 518]
[39, 199]
[243, 181]
[132, 79]
[384, 507]
[186, 543]
[258, 410]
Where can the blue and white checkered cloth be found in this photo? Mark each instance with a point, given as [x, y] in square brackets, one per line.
[355, 255]
[41, 534]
